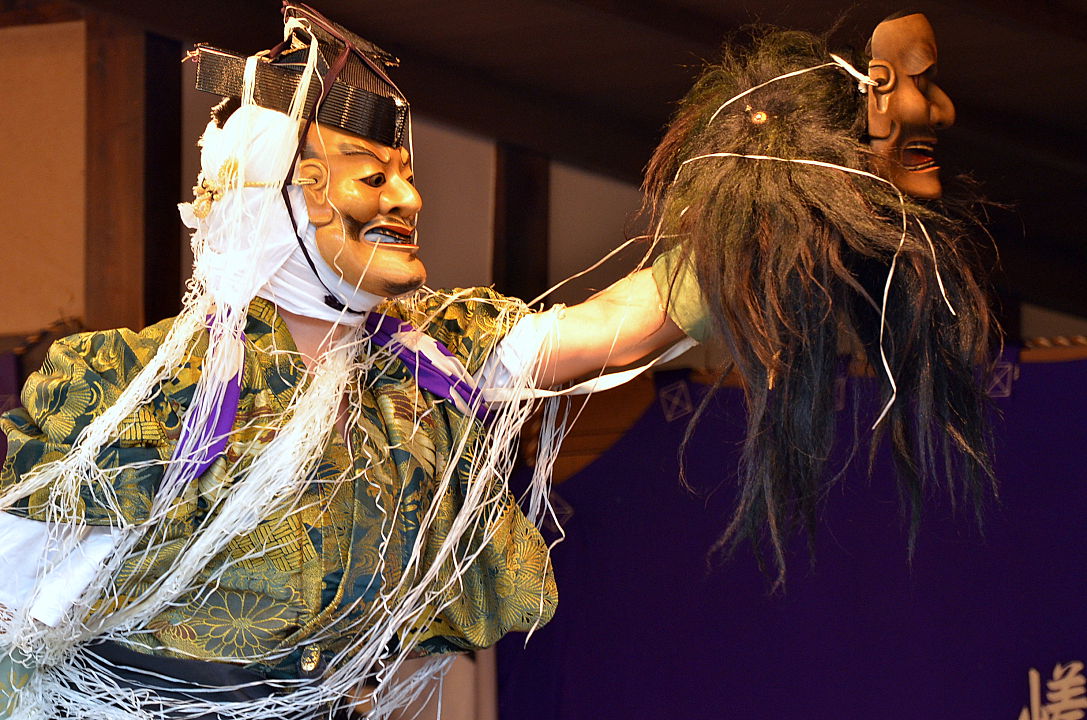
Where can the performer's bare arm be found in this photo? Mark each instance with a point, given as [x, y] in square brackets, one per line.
[616, 326]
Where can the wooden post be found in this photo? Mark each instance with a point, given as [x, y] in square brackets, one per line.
[521, 221]
[133, 174]
[116, 59]
[162, 178]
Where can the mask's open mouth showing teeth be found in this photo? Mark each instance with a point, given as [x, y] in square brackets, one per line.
[918, 156]
[388, 236]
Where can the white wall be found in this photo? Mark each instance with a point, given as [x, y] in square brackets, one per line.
[455, 174]
[43, 184]
[1041, 322]
[590, 216]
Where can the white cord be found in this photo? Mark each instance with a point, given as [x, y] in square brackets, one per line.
[862, 80]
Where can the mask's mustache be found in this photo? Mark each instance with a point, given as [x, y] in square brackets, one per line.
[353, 228]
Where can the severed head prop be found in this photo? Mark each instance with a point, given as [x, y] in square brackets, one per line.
[787, 186]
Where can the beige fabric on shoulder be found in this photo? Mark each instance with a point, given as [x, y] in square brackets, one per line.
[679, 291]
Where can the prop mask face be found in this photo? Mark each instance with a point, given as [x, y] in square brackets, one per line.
[906, 107]
[362, 202]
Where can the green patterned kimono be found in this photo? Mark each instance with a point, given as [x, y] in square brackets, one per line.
[308, 575]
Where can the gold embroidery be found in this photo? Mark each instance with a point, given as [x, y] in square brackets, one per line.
[294, 577]
[208, 190]
[311, 659]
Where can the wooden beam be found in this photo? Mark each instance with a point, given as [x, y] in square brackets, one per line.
[241, 25]
[566, 128]
[669, 18]
[116, 59]
[37, 12]
[521, 221]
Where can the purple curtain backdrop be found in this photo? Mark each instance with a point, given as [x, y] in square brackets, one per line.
[645, 630]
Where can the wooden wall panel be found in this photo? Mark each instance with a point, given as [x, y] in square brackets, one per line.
[41, 188]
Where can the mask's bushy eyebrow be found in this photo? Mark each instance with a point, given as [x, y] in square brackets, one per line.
[348, 148]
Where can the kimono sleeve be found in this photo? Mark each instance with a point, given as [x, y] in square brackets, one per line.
[81, 377]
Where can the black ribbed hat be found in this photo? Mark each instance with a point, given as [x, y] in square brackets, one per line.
[360, 97]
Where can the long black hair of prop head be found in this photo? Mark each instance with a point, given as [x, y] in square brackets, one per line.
[792, 259]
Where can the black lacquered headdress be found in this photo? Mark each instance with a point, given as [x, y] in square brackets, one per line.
[355, 95]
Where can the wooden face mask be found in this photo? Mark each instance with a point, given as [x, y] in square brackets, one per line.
[906, 107]
[361, 200]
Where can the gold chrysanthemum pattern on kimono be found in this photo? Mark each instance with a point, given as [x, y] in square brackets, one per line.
[311, 573]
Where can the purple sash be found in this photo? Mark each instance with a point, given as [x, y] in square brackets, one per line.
[382, 328]
[428, 375]
[221, 423]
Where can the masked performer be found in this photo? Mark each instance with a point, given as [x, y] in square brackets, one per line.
[253, 509]
[801, 197]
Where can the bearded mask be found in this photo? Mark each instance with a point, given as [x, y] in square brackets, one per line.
[906, 107]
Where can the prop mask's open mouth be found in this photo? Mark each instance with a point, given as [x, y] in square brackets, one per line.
[386, 235]
[918, 156]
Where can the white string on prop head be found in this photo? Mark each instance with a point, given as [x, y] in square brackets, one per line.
[936, 264]
[750, 90]
[883, 327]
[894, 259]
[863, 81]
